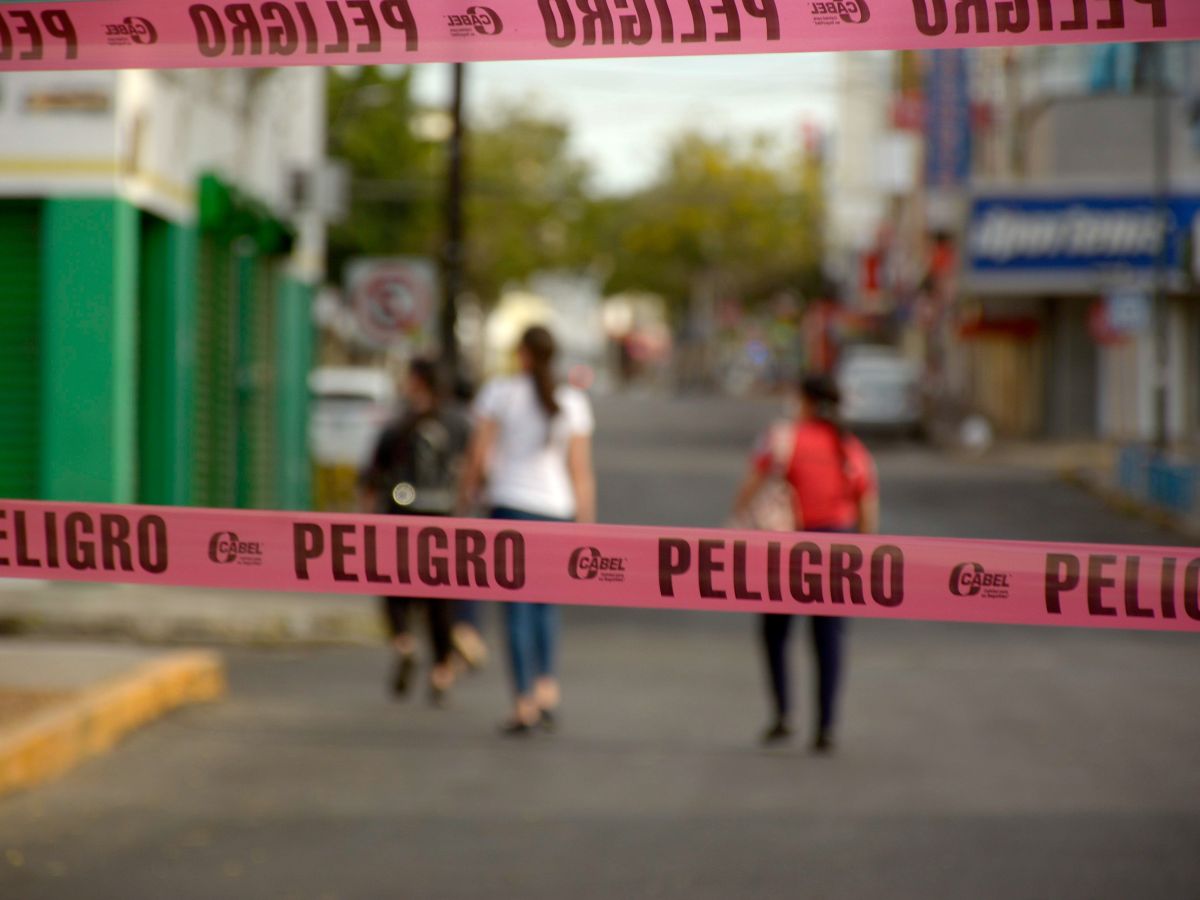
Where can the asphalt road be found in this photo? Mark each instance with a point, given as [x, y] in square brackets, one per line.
[974, 761]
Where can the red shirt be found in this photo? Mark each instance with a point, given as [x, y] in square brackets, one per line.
[826, 485]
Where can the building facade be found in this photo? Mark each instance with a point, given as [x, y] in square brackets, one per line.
[160, 247]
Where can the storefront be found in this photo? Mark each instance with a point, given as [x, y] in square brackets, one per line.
[1060, 312]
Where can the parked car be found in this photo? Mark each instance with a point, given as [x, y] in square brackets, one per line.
[350, 407]
[880, 389]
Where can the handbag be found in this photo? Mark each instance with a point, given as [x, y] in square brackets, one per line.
[773, 507]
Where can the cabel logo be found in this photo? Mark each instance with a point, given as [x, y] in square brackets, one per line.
[971, 580]
[132, 30]
[588, 563]
[476, 20]
[225, 547]
[852, 12]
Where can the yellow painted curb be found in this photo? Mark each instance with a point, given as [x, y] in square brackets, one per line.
[58, 738]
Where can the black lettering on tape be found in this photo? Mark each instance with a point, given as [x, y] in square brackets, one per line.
[740, 590]
[367, 19]
[152, 544]
[887, 591]
[114, 542]
[282, 37]
[370, 557]
[699, 32]
[58, 24]
[1080, 20]
[508, 554]
[962, 16]
[1062, 574]
[1116, 16]
[845, 565]
[1012, 16]
[469, 547]
[805, 586]
[1158, 12]
[308, 543]
[674, 558]
[1096, 583]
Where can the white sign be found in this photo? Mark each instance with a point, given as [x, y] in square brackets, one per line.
[395, 300]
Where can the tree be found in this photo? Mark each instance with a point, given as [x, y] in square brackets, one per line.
[528, 201]
[729, 215]
[395, 174]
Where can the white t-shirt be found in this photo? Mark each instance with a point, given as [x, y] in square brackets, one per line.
[527, 471]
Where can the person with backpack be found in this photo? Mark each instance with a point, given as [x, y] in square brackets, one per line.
[833, 489]
[532, 447]
[414, 472]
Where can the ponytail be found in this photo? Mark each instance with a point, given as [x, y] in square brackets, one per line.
[538, 345]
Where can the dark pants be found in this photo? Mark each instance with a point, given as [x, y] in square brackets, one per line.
[531, 628]
[396, 609]
[827, 633]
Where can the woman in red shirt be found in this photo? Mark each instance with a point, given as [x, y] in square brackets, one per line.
[834, 489]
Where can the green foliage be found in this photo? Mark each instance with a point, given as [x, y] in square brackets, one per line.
[396, 177]
[731, 221]
[529, 204]
[734, 220]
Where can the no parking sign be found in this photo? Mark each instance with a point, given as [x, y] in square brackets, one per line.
[394, 299]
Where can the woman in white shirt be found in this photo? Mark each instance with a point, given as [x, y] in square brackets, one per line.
[533, 447]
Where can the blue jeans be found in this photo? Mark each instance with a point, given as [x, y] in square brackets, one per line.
[531, 628]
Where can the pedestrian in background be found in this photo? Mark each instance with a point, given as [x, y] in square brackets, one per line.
[833, 489]
[532, 445]
[414, 471]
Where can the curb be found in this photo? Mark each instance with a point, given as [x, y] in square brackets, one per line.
[55, 740]
[1125, 505]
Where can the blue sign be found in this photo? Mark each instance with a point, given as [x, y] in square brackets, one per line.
[1086, 241]
[947, 120]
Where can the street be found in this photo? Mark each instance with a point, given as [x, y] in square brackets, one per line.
[972, 761]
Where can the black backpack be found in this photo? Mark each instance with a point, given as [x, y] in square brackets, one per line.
[421, 475]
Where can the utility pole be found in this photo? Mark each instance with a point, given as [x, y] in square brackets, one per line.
[453, 250]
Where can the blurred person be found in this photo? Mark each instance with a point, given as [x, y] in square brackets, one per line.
[833, 489]
[414, 471]
[533, 446]
[466, 634]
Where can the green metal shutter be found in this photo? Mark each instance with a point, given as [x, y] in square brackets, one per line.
[155, 346]
[259, 456]
[20, 348]
[215, 438]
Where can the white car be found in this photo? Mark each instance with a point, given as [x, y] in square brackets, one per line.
[880, 389]
[350, 407]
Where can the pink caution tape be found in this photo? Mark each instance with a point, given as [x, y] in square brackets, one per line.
[955, 580]
[111, 34]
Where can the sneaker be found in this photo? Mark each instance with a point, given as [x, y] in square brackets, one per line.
[778, 733]
[402, 673]
[822, 743]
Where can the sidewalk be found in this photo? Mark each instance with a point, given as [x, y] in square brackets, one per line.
[63, 702]
[186, 615]
[1092, 466]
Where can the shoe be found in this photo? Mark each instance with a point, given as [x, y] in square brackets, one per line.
[548, 721]
[778, 733]
[823, 743]
[516, 728]
[402, 673]
[438, 696]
